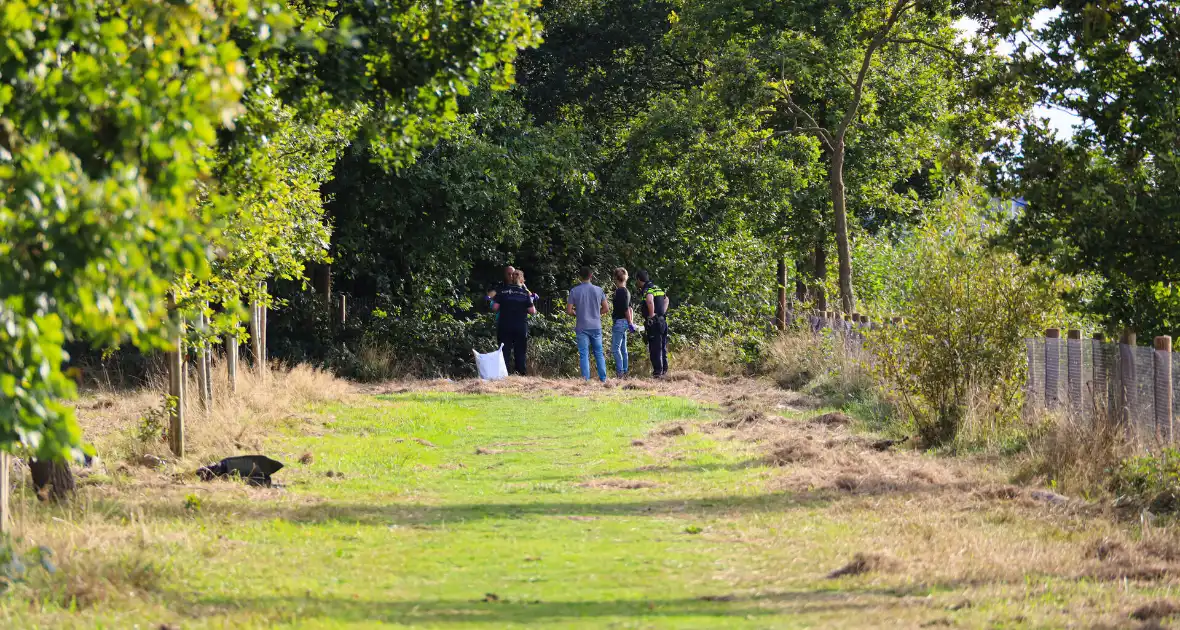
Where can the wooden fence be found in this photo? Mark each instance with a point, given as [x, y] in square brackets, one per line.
[1122, 382]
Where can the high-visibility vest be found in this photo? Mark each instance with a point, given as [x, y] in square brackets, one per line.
[659, 300]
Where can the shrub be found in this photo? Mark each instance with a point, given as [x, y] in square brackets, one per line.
[959, 359]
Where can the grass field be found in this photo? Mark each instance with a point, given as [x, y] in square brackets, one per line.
[620, 509]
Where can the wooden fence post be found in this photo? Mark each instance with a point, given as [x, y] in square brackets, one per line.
[203, 371]
[256, 335]
[343, 308]
[5, 493]
[231, 362]
[1125, 393]
[263, 332]
[1073, 368]
[1100, 371]
[1052, 367]
[781, 309]
[176, 378]
[1163, 388]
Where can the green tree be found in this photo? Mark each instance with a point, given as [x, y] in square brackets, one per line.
[129, 159]
[1106, 200]
[881, 75]
[104, 112]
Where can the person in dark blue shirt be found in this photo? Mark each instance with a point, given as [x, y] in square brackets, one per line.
[513, 305]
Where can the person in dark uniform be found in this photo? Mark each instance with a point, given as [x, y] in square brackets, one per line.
[509, 279]
[655, 326]
[513, 305]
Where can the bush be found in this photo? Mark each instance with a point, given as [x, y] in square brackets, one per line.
[958, 362]
[714, 342]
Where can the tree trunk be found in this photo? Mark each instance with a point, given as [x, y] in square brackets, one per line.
[322, 281]
[781, 314]
[52, 480]
[836, 180]
[821, 273]
[801, 296]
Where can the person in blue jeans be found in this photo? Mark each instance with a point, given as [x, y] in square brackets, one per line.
[588, 304]
[623, 317]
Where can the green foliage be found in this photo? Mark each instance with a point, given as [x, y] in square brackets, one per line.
[1107, 200]
[152, 424]
[1152, 481]
[139, 142]
[959, 358]
[192, 503]
[441, 347]
[105, 111]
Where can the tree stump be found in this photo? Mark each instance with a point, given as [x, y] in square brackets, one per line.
[52, 480]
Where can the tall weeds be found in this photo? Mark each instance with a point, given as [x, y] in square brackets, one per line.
[129, 424]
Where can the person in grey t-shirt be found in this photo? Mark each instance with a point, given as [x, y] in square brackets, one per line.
[588, 304]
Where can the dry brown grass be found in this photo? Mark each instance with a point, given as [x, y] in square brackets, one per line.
[235, 424]
[102, 554]
[683, 383]
[719, 359]
[822, 365]
[1074, 451]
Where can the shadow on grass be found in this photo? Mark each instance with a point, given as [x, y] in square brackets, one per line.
[430, 612]
[638, 471]
[411, 514]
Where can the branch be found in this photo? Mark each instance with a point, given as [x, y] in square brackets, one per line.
[900, 7]
[929, 44]
[825, 137]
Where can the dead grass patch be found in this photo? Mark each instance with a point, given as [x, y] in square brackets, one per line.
[118, 422]
[1156, 611]
[833, 419]
[862, 563]
[481, 450]
[698, 386]
[616, 483]
[791, 451]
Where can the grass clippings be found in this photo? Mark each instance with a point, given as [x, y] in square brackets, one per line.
[1156, 610]
[862, 563]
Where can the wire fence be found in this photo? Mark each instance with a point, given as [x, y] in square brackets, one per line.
[1138, 386]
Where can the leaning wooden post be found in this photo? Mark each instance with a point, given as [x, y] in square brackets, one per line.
[1125, 393]
[1163, 388]
[1052, 367]
[231, 361]
[176, 389]
[1073, 368]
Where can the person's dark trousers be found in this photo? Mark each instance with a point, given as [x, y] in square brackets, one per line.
[657, 344]
[515, 350]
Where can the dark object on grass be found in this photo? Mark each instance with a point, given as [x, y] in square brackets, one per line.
[255, 469]
[52, 480]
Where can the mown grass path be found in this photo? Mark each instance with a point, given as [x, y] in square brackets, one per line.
[491, 511]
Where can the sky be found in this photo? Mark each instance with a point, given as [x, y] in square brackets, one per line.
[1062, 122]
